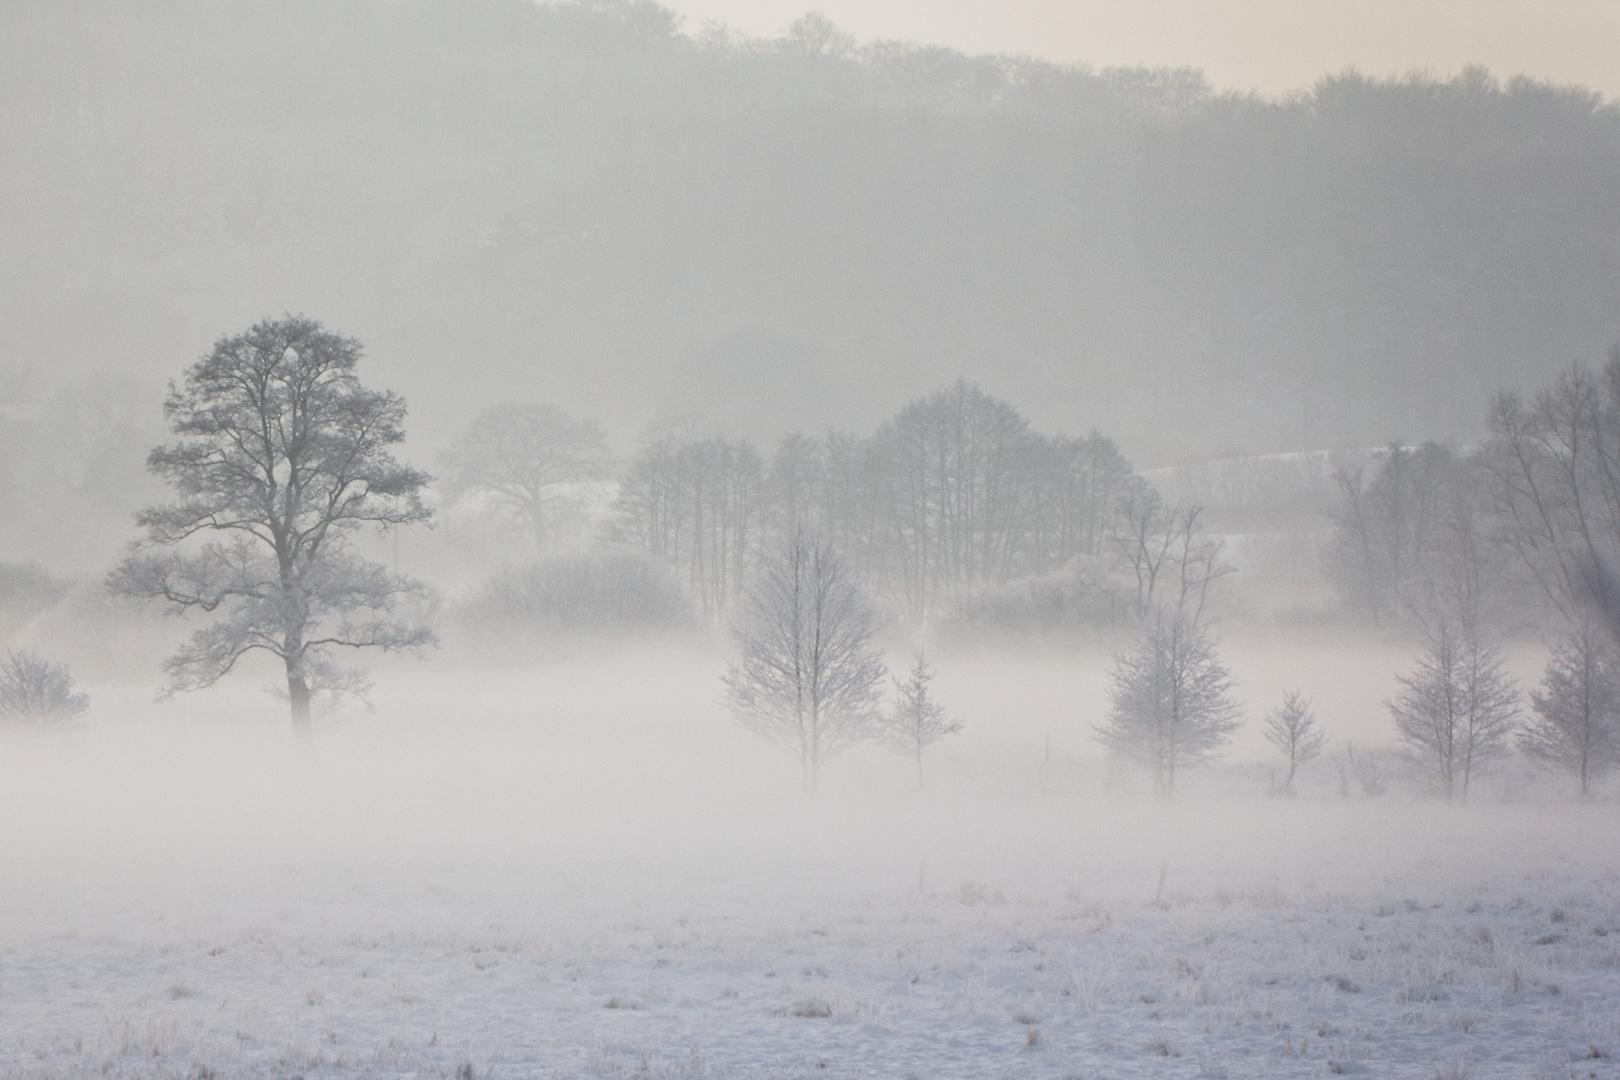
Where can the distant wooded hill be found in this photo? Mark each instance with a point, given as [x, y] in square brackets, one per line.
[580, 204]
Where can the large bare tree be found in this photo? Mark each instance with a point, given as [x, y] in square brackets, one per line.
[531, 458]
[1555, 460]
[806, 674]
[282, 456]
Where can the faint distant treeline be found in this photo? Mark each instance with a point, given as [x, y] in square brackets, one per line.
[951, 499]
[1184, 267]
[1522, 530]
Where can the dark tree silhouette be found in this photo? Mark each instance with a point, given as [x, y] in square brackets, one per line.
[282, 456]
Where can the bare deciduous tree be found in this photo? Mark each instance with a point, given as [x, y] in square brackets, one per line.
[917, 720]
[1575, 723]
[696, 505]
[806, 675]
[1292, 729]
[529, 457]
[1413, 543]
[1166, 554]
[1456, 709]
[1556, 465]
[37, 693]
[955, 468]
[282, 455]
[1171, 700]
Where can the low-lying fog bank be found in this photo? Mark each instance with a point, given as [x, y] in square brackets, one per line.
[585, 869]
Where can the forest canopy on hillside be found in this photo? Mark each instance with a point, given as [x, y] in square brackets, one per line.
[590, 201]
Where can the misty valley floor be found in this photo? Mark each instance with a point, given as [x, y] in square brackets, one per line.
[626, 887]
[573, 966]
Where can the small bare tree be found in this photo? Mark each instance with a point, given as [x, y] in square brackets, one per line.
[1172, 705]
[1456, 710]
[1292, 729]
[806, 675]
[37, 693]
[917, 721]
[530, 458]
[1575, 726]
[282, 455]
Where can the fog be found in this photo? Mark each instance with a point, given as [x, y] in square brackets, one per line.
[579, 539]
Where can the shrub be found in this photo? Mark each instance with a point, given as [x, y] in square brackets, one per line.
[36, 692]
[605, 590]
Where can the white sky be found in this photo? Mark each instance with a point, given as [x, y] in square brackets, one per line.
[1267, 45]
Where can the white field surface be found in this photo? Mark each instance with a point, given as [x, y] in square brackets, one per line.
[583, 869]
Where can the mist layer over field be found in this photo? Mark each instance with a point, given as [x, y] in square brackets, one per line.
[584, 868]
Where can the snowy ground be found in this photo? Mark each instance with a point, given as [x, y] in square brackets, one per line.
[501, 898]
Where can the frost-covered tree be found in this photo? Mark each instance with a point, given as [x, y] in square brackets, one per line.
[917, 721]
[530, 458]
[1575, 723]
[1171, 700]
[37, 693]
[1455, 710]
[282, 456]
[1292, 728]
[806, 675]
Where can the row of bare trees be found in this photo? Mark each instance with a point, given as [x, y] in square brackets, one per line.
[1456, 713]
[955, 494]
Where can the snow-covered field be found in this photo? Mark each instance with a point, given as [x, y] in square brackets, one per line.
[567, 875]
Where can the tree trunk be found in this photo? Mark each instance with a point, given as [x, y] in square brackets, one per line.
[298, 694]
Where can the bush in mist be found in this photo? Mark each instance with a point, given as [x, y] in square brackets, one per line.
[1369, 770]
[1292, 728]
[1171, 704]
[37, 693]
[916, 721]
[599, 590]
[283, 455]
[1574, 727]
[1086, 594]
[806, 675]
[1455, 710]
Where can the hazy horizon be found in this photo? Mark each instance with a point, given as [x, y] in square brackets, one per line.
[1271, 47]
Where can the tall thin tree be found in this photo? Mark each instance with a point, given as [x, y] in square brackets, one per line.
[917, 721]
[1293, 730]
[806, 675]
